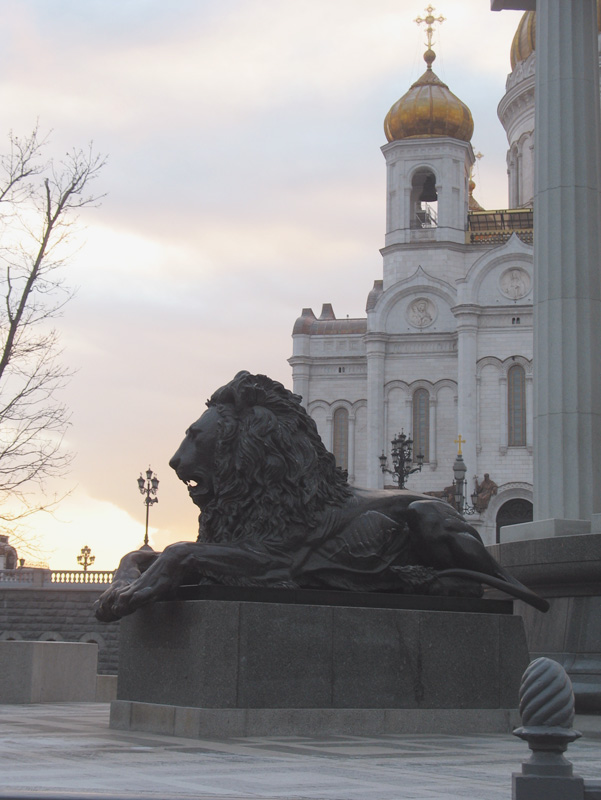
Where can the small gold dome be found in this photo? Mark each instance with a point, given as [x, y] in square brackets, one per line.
[429, 109]
[524, 40]
[473, 204]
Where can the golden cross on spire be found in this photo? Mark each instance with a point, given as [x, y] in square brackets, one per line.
[429, 21]
[459, 441]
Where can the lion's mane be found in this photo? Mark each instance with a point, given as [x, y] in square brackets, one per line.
[272, 476]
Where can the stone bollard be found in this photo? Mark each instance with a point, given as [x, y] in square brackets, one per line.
[547, 711]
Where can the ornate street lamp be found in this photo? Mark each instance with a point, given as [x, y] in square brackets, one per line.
[85, 558]
[402, 461]
[149, 488]
[460, 484]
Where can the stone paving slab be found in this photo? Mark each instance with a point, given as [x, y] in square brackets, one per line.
[69, 747]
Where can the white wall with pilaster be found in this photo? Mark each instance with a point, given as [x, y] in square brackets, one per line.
[376, 355]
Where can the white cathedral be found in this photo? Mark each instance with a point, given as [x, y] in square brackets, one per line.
[445, 351]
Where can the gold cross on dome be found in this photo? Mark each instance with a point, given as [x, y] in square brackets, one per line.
[429, 21]
[459, 441]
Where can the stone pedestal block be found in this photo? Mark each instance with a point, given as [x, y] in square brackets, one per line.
[47, 672]
[533, 787]
[106, 688]
[214, 667]
[567, 572]
[545, 529]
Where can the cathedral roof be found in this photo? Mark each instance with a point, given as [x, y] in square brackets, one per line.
[327, 324]
[429, 109]
[524, 40]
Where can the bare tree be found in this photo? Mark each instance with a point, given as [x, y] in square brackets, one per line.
[39, 200]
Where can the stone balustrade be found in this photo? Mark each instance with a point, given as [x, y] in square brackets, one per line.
[47, 578]
[79, 576]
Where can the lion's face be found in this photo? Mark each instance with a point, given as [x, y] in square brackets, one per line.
[194, 459]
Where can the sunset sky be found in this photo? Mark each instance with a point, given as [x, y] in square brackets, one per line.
[244, 182]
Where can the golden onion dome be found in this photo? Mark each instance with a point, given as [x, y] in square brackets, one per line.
[429, 109]
[524, 40]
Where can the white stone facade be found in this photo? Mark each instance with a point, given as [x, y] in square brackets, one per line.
[461, 357]
[451, 315]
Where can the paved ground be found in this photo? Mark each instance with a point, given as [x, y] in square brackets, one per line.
[69, 747]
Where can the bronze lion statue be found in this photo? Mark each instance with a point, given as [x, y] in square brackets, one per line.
[276, 511]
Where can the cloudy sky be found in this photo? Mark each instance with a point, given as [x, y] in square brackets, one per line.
[244, 182]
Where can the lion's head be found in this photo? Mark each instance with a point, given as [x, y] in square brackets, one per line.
[255, 464]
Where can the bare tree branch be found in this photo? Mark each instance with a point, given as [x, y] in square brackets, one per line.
[39, 201]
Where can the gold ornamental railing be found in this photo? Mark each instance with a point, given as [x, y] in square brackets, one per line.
[496, 227]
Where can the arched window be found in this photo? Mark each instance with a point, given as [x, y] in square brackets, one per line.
[514, 178]
[516, 406]
[424, 200]
[513, 512]
[340, 437]
[421, 424]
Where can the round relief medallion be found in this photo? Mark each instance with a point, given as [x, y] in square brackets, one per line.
[421, 312]
[515, 283]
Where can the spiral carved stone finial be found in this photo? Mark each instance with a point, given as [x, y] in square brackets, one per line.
[546, 696]
[547, 709]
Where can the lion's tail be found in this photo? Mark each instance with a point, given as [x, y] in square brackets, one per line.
[514, 589]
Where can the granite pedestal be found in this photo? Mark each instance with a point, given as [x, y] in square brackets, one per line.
[232, 667]
[566, 570]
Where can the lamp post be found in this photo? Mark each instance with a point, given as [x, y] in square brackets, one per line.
[402, 460]
[149, 488]
[459, 483]
[85, 558]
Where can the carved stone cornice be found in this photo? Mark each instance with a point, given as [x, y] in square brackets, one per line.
[517, 105]
[523, 70]
[396, 247]
[354, 370]
[421, 345]
[441, 145]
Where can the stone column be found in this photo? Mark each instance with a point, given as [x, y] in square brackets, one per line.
[529, 414]
[376, 351]
[407, 424]
[567, 327]
[329, 442]
[301, 368]
[385, 422]
[567, 289]
[478, 414]
[503, 404]
[433, 445]
[467, 354]
[351, 447]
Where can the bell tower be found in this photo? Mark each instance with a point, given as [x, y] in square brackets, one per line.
[428, 158]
